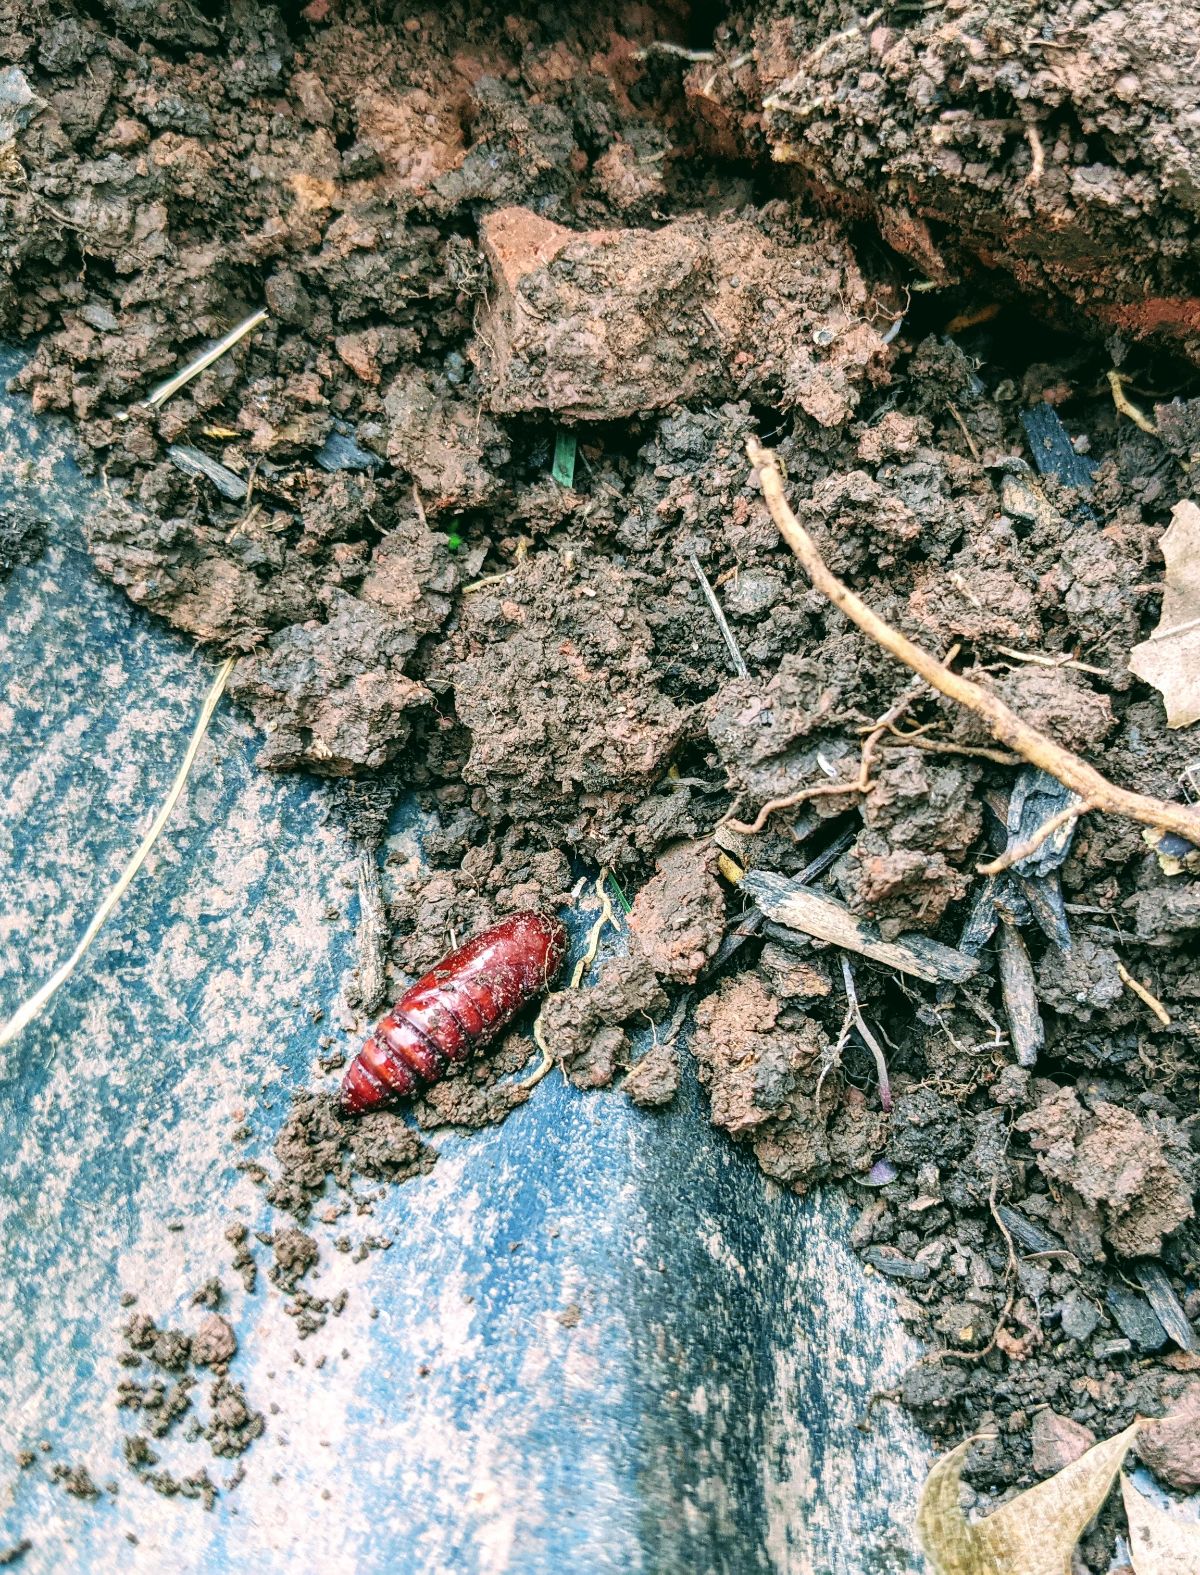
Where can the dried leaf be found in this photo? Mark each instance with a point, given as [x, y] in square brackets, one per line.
[1170, 658]
[1034, 1533]
[1159, 1543]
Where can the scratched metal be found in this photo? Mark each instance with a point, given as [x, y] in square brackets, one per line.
[703, 1412]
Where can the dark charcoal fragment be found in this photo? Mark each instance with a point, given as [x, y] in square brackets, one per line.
[1030, 1235]
[1166, 1305]
[341, 452]
[1043, 894]
[195, 462]
[982, 919]
[1036, 797]
[1019, 993]
[1052, 449]
[893, 1264]
[1135, 1319]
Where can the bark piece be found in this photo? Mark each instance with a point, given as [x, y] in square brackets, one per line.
[797, 908]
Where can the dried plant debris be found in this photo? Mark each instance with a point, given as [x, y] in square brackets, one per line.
[584, 246]
[1033, 1534]
[1036, 1533]
[1170, 658]
[1160, 1543]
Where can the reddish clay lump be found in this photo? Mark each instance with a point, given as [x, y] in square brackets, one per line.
[456, 1009]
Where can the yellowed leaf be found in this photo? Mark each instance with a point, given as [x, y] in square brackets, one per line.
[1034, 1533]
[1170, 658]
[1159, 1542]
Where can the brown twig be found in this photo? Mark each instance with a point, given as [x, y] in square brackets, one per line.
[966, 432]
[1140, 990]
[1005, 725]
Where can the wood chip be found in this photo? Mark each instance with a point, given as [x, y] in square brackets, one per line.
[1019, 992]
[797, 908]
[195, 462]
[1167, 1307]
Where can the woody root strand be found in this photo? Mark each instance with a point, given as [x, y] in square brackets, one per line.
[1095, 791]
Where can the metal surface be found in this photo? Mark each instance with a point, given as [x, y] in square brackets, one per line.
[702, 1414]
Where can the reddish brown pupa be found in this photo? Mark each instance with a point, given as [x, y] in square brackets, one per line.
[456, 1009]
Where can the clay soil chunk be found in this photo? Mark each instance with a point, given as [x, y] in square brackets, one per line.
[602, 325]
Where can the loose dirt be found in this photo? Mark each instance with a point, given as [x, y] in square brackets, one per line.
[530, 286]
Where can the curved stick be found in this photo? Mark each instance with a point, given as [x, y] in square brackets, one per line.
[1006, 726]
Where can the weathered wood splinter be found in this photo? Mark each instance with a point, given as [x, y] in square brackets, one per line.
[826, 920]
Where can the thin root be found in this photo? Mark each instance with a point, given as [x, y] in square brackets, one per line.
[1040, 659]
[523, 546]
[1126, 405]
[1010, 1275]
[488, 579]
[1037, 154]
[662, 46]
[1096, 791]
[855, 1018]
[607, 916]
[861, 783]
[547, 1060]
[1140, 990]
[30, 1009]
[940, 746]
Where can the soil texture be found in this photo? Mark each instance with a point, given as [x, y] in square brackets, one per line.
[472, 507]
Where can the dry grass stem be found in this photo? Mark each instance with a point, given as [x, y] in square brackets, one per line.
[30, 1009]
[854, 1016]
[966, 432]
[193, 369]
[727, 634]
[1039, 659]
